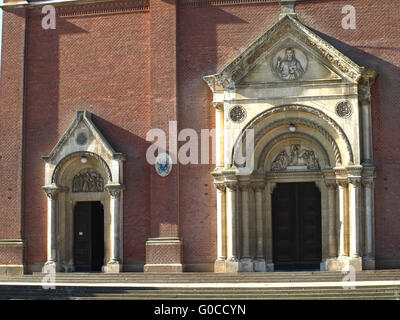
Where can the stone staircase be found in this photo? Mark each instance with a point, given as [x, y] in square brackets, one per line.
[204, 286]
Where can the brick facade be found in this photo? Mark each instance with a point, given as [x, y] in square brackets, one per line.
[139, 67]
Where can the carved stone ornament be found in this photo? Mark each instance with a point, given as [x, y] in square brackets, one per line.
[289, 63]
[237, 114]
[163, 164]
[88, 180]
[344, 109]
[296, 159]
[81, 139]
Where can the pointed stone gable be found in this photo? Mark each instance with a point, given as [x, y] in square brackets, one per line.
[318, 59]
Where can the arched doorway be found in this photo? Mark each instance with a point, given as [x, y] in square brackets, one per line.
[296, 226]
[83, 176]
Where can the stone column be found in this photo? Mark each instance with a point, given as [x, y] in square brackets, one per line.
[114, 264]
[246, 263]
[232, 262]
[369, 255]
[342, 190]
[354, 219]
[332, 251]
[219, 265]
[52, 195]
[219, 133]
[366, 81]
[259, 261]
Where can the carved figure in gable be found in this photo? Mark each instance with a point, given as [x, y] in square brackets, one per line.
[289, 68]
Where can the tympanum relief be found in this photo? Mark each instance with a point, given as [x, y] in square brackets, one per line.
[88, 180]
[297, 158]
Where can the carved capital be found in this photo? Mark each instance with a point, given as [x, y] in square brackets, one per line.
[114, 190]
[364, 95]
[220, 186]
[342, 183]
[367, 182]
[244, 186]
[53, 191]
[330, 183]
[231, 185]
[219, 106]
[258, 186]
[355, 181]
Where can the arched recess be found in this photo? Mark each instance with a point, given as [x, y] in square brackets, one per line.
[308, 120]
[294, 171]
[83, 167]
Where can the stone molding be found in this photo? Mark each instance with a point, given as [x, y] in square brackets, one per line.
[304, 122]
[295, 107]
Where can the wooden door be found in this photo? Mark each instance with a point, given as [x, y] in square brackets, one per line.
[82, 236]
[296, 226]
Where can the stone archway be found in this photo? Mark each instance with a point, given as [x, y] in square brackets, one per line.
[83, 167]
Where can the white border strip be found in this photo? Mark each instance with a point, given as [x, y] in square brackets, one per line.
[213, 285]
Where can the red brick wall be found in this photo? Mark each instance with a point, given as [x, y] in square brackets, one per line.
[98, 63]
[11, 115]
[120, 66]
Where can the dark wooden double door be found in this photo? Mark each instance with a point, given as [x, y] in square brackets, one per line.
[88, 236]
[296, 226]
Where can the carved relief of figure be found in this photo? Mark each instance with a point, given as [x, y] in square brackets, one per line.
[299, 159]
[88, 181]
[281, 161]
[310, 159]
[289, 68]
[294, 154]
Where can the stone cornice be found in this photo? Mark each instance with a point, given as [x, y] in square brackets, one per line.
[88, 5]
[12, 242]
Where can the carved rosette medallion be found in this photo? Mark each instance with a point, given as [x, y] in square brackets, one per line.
[344, 109]
[297, 158]
[163, 164]
[289, 63]
[237, 114]
[81, 139]
[88, 180]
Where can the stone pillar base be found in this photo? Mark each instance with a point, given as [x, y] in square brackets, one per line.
[112, 267]
[164, 255]
[163, 268]
[330, 264]
[345, 263]
[232, 266]
[270, 267]
[219, 266]
[13, 270]
[369, 263]
[259, 265]
[356, 263]
[246, 265]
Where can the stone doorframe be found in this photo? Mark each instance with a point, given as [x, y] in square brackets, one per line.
[83, 149]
